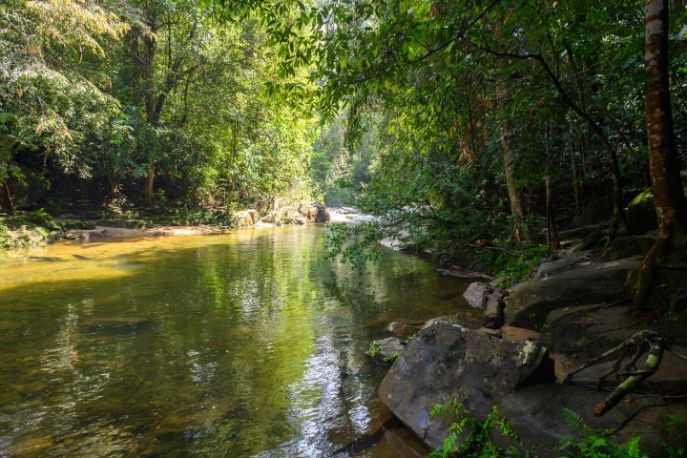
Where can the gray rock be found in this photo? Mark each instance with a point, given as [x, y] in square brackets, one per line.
[386, 349]
[494, 310]
[536, 414]
[632, 245]
[445, 362]
[468, 318]
[476, 294]
[531, 302]
[587, 331]
[568, 262]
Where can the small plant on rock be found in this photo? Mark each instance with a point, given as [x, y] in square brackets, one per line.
[375, 349]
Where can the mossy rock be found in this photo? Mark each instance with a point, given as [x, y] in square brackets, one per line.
[641, 213]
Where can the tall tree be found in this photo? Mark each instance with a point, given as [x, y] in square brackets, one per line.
[669, 197]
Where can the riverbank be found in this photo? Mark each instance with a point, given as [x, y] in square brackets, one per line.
[524, 357]
[38, 228]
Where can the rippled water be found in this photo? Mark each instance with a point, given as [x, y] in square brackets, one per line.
[247, 344]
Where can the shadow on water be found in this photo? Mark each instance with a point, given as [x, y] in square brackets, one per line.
[239, 345]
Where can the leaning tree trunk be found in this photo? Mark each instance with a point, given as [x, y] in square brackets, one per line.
[669, 197]
[520, 233]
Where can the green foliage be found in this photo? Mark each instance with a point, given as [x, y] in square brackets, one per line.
[5, 238]
[470, 437]
[511, 266]
[355, 243]
[375, 349]
[392, 357]
[675, 429]
[42, 219]
[595, 444]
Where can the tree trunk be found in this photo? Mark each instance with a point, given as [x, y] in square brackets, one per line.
[669, 197]
[551, 230]
[149, 189]
[520, 233]
[663, 165]
[9, 200]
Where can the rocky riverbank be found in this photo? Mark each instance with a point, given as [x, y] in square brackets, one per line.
[38, 228]
[533, 335]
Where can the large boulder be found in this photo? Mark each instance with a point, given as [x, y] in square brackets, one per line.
[536, 414]
[531, 302]
[244, 218]
[631, 245]
[556, 266]
[314, 212]
[448, 362]
[587, 331]
[578, 334]
[467, 318]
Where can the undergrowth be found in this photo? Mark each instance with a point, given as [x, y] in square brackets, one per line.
[469, 437]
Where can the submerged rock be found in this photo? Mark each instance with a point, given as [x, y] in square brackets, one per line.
[531, 302]
[404, 328]
[445, 362]
[115, 323]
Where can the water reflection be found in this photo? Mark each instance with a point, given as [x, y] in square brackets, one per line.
[250, 344]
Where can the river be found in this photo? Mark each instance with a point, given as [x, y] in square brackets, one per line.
[245, 344]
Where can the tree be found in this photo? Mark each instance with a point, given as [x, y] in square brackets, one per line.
[669, 197]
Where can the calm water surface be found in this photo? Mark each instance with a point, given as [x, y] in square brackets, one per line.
[247, 344]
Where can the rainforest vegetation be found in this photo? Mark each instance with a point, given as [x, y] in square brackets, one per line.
[479, 122]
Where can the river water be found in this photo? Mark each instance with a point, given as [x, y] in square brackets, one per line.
[246, 344]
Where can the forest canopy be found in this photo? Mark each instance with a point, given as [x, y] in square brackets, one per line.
[461, 122]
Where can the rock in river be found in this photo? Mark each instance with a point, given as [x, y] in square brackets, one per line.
[445, 362]
[386, 349]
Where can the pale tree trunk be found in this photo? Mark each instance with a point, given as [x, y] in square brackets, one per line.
[520, 233]
[9, 200]
[669, 197]
[551, 230]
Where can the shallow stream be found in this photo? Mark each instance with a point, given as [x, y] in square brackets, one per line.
[246, 344]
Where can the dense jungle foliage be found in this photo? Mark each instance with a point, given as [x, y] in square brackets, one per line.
[477, 122]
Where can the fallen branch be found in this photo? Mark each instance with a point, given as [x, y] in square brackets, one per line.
[639, 343]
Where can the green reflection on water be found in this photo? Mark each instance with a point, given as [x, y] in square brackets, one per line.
[246, 344]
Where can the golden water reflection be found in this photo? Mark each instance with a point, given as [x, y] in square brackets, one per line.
[246, 344]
